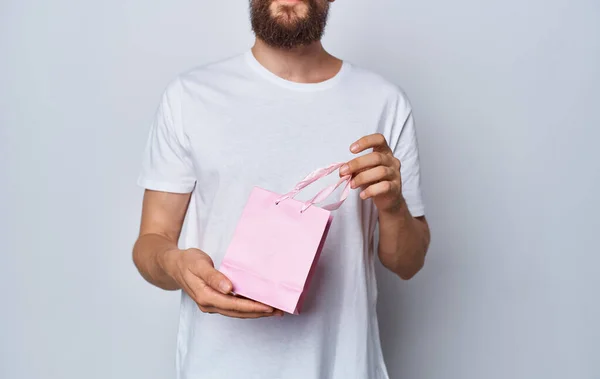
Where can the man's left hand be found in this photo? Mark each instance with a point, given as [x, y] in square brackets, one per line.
[377, 173]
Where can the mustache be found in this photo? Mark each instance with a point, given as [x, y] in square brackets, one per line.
[269, 2]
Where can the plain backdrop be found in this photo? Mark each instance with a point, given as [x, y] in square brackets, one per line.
[507, 102]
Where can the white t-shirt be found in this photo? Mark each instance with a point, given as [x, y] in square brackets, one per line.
[227, 126]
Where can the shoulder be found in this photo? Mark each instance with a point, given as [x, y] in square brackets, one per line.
[200, 78]
[213, 70]
[374, 80]
[377, 85]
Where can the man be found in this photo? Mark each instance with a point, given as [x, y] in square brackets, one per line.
[267, 117]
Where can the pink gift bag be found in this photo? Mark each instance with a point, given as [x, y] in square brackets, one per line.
[277, 243]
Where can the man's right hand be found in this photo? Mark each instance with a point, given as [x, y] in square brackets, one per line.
[195, 273]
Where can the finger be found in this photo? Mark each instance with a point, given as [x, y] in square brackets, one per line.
[379, 189]
[192, 285]
[209, 285]
[372, 176]
[276, 312]
[214, 278]
[213, 310]
[236, 304]
[209, 298]
[365, 162]
[249, 315]
[376, 141]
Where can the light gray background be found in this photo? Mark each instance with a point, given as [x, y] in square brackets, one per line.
[506, 97]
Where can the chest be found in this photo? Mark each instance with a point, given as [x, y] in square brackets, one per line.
[274, 140]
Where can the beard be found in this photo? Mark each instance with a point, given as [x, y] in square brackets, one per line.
[284, 26]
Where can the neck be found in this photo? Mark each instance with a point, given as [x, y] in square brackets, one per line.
[305, 64]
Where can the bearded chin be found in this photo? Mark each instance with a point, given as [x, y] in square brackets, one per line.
[288, 34]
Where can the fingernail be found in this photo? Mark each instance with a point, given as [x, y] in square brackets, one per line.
[352, 184]
[363, 195]
[344, 169]
[224, 287]
[354, 148]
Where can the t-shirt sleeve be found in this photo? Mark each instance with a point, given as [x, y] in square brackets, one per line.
[166, 163]
[404, 144]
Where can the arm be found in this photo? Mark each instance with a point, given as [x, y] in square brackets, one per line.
[153, 252]
[160, 262]
[403, 239]
[169, 177]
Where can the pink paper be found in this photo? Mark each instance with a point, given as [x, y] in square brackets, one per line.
[277, 244]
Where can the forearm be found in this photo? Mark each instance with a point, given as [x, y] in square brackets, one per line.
[403, 241]
[152, 254]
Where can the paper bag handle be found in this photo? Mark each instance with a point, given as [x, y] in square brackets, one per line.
[324, 193]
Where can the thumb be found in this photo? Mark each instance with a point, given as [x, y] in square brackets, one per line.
[214, 278]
